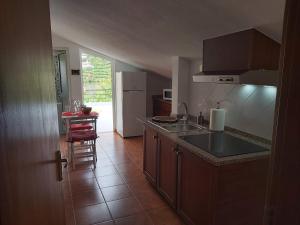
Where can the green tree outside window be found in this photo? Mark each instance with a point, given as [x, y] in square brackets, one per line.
[96, 77]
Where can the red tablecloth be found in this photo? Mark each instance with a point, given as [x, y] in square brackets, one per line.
[79, 114]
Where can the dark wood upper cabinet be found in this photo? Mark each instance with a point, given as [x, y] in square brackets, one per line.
[150, 154]
[167, 169]
[240, 52]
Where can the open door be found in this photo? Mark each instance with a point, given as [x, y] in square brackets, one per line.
[283, 207]
[30, 192]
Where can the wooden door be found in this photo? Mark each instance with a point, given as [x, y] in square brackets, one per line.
[29, 192]
[284, 186]
[150, 154]
[167, 169]
[195, 188]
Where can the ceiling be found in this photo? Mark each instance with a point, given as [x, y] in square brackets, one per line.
[147, 33]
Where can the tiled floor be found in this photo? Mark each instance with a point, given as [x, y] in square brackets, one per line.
[116, 192]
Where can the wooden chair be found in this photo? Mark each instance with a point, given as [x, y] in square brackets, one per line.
[85, 139]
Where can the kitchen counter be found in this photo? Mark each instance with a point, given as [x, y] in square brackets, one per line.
[217, 161]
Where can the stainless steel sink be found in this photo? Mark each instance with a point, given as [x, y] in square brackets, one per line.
[176, 128]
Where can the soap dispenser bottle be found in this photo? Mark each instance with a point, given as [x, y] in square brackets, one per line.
[200, 119]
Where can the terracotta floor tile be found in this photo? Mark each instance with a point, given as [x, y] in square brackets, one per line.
[130, 198]
[105, 223]
[109, 147]
[88, 198]
[110, 180]
[92, 214]
[127, 167]
[83, 166]
[124, 207]
[133, 177]
[140, 186]
[79, 186]
[81, 174]
[118, 160]
[119, 152]
[101, 154]
[118, 155]
[150, 200]
[69, 213]
[137, 219]
[105, 171]
[164, 216]
[103, 163]
[116, 192]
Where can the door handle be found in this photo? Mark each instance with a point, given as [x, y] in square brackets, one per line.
[175, 149]
[59, 164]
[178, 152]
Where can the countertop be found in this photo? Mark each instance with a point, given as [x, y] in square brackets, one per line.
[206, 155]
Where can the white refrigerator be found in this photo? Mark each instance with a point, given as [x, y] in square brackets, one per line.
[130, 102]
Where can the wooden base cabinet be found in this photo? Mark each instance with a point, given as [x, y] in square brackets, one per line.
[232, 194]
[150, 154]
[201, 192]
[161, 107]
[195, 188]
[167, 169]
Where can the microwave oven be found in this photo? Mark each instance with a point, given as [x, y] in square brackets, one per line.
[167, 94]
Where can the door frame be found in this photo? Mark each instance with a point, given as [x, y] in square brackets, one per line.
[68, 69]
[283, 192]
[113, 78]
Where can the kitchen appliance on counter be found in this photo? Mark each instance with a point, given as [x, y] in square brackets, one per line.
[222, 144]
[130, 102]
[167, 94]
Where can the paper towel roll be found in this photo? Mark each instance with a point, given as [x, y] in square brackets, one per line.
[217, 119]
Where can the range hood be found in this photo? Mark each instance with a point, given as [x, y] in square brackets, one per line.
[255, 77]
[245, 57]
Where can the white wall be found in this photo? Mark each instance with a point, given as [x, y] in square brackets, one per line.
[180, 83]
[155, 82]
[249, 108]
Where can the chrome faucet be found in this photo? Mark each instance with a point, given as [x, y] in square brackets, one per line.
[186, 115]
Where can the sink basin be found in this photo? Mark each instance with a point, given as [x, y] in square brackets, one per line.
[174, 128]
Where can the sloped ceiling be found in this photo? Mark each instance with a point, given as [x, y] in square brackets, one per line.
[146, 33]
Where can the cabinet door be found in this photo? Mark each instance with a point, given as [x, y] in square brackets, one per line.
[239, 52]
[195, 188]
[167, 169]
[150, 154]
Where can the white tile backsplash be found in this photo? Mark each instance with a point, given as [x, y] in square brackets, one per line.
[249, 108]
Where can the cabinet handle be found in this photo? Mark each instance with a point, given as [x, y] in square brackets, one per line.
[154, 136]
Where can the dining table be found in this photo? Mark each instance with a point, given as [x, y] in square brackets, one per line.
[67, 116]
